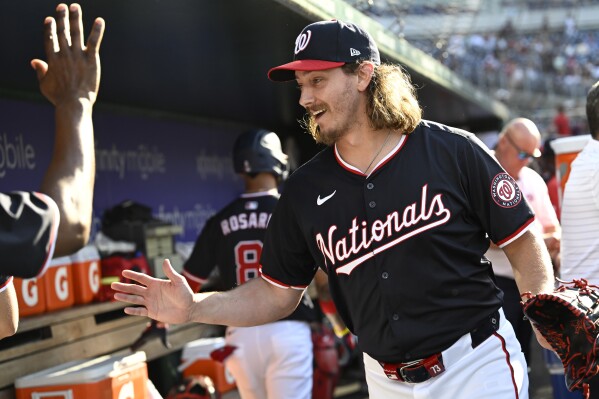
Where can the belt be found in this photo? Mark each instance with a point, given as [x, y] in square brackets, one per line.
[424, 369]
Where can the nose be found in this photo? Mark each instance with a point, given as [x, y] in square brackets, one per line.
[306, 97]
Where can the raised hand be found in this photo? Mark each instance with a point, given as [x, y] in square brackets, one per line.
[72, 70]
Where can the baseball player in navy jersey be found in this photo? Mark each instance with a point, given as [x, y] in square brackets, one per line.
[273, 360]
[57, 220]
[399, 212]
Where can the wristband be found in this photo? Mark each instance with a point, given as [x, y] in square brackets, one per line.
[341, 333]
[328, 307]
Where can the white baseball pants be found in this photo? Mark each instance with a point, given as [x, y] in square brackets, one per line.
[496, 369]
[272, 361]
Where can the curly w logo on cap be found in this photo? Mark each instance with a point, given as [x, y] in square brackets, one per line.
[325, 45]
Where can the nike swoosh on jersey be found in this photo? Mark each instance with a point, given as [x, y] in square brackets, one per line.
[320, 201]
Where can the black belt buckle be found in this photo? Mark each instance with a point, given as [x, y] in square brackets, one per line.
[416, 371]
[402, 373]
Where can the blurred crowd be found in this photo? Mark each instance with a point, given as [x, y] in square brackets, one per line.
[381, 7]
[544, 4]
[563, 63]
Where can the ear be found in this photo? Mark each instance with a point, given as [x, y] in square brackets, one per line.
[365, 73]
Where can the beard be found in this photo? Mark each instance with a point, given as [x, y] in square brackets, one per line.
[330, 136]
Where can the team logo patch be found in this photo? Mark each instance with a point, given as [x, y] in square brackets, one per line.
[505, 191]
[302, 41]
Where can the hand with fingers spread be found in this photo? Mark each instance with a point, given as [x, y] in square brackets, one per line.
[168, 301]
[72, 71]
[59, 222]
[70, 79]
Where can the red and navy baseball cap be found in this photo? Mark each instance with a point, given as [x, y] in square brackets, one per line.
[325, 45]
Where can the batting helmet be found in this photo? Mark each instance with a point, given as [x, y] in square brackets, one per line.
[259, 151]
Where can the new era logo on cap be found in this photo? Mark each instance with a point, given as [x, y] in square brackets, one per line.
[325, 45]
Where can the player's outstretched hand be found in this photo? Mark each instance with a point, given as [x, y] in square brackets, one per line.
[168, 301]
[72, 71]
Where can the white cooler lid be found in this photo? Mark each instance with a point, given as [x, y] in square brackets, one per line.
[87, 253]
[82, 371]
[201, 348]
[60, 261]
[567, 145]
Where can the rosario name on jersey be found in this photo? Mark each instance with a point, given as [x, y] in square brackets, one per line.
[403, 246]
[232, 241]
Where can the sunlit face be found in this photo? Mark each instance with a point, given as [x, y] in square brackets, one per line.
[517, 152]
[331, 99]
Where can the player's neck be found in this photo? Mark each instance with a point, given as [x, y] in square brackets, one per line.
[366, 150]
[260, 183]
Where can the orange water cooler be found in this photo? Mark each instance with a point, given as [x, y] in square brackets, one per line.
[566, 150]
[58, 284]
[196, 360]
[106, 377]
[86, 269]
[31, 296]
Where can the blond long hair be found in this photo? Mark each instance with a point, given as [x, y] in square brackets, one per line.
[392, 102]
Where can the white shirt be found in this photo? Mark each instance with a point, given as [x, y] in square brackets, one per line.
[580, 217]
[535, 191]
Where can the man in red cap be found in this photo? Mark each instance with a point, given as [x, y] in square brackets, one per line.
[398, 211]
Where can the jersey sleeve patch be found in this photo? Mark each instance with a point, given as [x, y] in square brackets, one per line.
[505, 191]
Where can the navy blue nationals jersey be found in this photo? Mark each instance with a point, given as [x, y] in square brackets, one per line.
[403, 247]
[232, 241]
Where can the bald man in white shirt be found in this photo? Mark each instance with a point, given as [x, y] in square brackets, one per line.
[518, 144]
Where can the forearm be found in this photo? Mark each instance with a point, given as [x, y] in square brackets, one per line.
[253, 303]
[9, 311]
[531, 264]
[69, 179]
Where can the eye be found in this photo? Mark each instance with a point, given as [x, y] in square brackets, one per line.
[316, 81]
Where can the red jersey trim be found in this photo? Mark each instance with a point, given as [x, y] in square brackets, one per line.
[6, 284]
[356, 171]
[517, 234]
[280, 284]
[193, 278]
[399, 146]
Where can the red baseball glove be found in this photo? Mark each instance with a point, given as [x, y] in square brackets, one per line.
[567, 319]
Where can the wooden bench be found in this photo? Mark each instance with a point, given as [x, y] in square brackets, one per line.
[80, 332]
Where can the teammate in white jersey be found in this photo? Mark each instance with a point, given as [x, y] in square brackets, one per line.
[580, 210]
